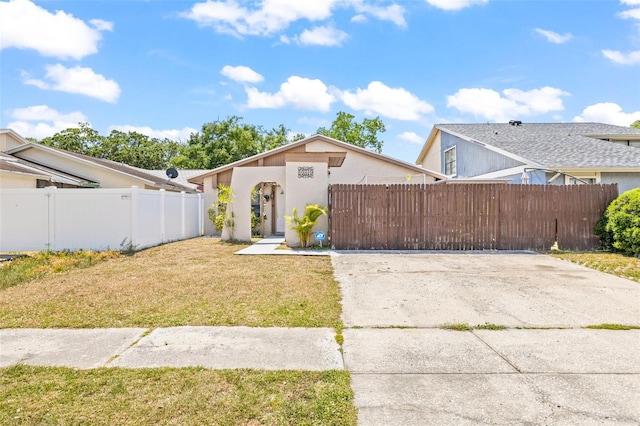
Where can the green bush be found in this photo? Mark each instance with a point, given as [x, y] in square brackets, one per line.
[606, 237]
[304, 224]
[623, 222]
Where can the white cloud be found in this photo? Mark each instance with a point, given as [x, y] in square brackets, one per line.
[609, 113]
[298, 92]
[80, 80]
[241, 74]
[396, 103]
[270, 17]
[633, 13]
[173, 134]
[393, 13]
[412, 138]
[491, 105]
[554, 37]
[227, 16]
[322, 36]
[631, 58]
[40, 121]
[455, 4]
[24, 25]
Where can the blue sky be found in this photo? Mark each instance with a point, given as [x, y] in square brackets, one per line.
[164, 68]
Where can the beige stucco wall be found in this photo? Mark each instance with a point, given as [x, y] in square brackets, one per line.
[244, 179]
[106, 178]
[432, 160]
[356, 166]
[301, 191]
[16, 181]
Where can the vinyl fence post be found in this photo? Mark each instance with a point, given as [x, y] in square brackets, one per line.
[51, 217]
[201, 214]
[162, 216]
[184, 214]
[134, 216]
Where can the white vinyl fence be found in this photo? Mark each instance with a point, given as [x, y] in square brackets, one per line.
[96, 219]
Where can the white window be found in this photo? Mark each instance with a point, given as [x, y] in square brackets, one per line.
[450, 167]
[581, 178]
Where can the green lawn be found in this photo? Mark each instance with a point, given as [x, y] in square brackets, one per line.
[170, 396]
[192, 282]
[611, 263]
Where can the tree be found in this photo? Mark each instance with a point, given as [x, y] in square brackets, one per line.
[138, 150]
[636, 124]
[82, 139]
[131, 148]
[227, 141]
[364, 135]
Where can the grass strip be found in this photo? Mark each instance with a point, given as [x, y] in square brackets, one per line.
[606, 326]
[108, 396]
[610, 263]
[41, 264]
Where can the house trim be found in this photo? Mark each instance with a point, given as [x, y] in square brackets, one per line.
[343, 145]
[437, 129]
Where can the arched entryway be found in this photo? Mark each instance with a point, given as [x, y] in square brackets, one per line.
[268, 206]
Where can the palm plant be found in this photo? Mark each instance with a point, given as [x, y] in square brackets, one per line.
[304, 224]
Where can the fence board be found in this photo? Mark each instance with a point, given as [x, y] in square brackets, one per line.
[466, 216]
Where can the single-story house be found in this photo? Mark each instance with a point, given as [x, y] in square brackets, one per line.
[536, 153]
[24, 164]
[297, 174]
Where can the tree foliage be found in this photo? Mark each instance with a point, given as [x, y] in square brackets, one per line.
[131, 148]
[364, 135]
[218, 142]
[636, 124]
[225, 141]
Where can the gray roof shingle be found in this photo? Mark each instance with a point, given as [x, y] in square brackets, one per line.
[557, 145]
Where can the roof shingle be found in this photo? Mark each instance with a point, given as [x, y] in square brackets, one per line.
[557, 145]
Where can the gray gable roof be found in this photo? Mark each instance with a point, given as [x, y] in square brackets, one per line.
[556, 145]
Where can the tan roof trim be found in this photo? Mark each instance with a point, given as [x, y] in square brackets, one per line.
[333, 159]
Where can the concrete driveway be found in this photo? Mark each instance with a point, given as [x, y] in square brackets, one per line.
[543, 369]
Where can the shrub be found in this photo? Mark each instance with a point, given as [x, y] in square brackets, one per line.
[606, 237]
[218, 214]
[623, 222]
[304, 224]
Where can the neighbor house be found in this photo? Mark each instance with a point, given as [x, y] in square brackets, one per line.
[31, 165]
[536, 153]
[298, 174]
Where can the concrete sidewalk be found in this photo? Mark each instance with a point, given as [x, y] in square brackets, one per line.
[211, 347]
[269, 246]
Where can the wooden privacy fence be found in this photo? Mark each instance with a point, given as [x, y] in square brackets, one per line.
[466, 216]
